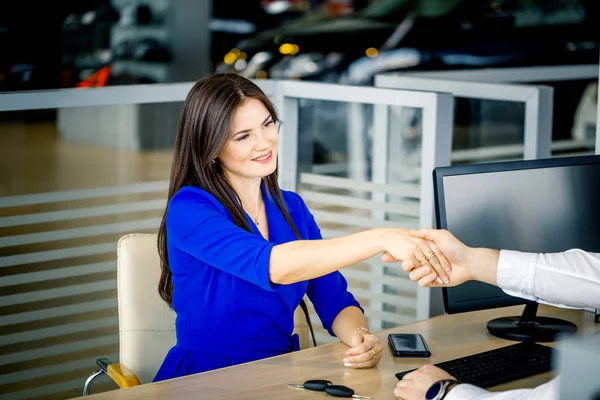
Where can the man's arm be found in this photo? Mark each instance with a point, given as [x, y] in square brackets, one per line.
[569, 279]
[547, 391]
[415, 384]
[566, 279]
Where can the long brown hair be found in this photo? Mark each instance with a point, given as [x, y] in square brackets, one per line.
[203, 130]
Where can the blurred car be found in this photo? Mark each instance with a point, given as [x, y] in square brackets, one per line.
[318, 43]
[233, 21]
[491, 33]
[393, 35]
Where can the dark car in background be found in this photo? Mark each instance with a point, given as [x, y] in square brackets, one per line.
[490, 33]
[392, 35]
[396, 35]
[319, 43]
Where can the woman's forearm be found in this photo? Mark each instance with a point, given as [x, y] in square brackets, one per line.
[302, 260]
[347, 322]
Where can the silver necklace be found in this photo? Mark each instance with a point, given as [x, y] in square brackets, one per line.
[257, 215]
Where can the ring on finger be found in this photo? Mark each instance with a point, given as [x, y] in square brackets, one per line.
[419, 260]
[430, 256]
[374, 354]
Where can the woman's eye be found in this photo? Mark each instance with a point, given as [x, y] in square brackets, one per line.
[271, 122]
[243, 137]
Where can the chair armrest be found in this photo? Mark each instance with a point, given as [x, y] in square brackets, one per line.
[122, 376]
[119, 373]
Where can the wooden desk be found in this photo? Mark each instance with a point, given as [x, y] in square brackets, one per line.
[448, 337]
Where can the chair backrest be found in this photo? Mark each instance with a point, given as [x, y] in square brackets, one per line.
[301, 327]
[146, 323]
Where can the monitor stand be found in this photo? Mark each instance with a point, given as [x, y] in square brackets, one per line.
[530, 327]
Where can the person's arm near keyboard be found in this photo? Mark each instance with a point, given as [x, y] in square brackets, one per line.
[569, 279]
[547, 391]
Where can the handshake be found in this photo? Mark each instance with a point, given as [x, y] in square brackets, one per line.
[435, 258]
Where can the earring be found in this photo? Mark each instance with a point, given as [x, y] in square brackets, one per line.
[213, 161]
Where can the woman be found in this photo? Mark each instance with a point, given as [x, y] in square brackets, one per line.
[238, 254]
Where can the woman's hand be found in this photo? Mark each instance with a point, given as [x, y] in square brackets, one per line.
[366, 351]
[414, 251]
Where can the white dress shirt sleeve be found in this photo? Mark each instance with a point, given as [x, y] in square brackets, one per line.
[570, 279]
[547, 391]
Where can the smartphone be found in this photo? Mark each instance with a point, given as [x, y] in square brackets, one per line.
[408, 345]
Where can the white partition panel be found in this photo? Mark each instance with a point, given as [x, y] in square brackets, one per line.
[528, 75]
[537, 99]
[366, 202]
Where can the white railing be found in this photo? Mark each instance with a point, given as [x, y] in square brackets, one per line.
[514, 75]
[537, 100]
[524, 75]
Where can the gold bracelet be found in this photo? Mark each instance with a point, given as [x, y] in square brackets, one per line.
[362, 328]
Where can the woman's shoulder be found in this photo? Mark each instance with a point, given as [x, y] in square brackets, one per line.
[293, 200]
[189, 207]
[291, 197]
[192, 196]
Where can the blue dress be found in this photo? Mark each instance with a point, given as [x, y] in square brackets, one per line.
[228, 311]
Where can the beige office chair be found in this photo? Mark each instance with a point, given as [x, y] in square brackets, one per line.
[146, 323]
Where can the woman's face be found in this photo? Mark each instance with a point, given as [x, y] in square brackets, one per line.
[251, 148]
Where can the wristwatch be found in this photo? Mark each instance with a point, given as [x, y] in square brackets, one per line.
[438, 390]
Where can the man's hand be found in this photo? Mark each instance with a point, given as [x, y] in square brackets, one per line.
[455, 251]
[414, 385]
[400, 244]
[468, 263]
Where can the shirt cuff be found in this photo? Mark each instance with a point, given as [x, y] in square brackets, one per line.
[516, 273]
[263, 276]
[465, 392]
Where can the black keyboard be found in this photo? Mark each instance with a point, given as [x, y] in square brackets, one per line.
[498, 366]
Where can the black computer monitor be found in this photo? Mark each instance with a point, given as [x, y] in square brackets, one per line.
[540, 206]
